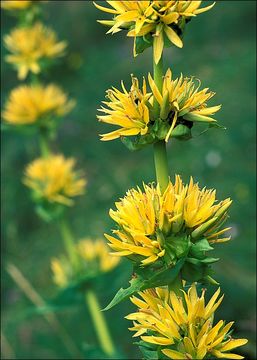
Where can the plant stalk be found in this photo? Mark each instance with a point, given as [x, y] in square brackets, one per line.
[69, 242]
[100, 325]
[161, 159]
[39, 302]
[161, 165]
[43, 143]
[160, 153]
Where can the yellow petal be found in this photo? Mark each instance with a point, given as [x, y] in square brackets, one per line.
[158, 44]
[173, 37]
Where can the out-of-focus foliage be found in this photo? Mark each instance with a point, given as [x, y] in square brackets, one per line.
[219, 48]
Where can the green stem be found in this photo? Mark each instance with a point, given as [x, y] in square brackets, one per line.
[160, 154]
[161, 164]
[99, 323]
[69, 243]
[43, 143]
[161, 159]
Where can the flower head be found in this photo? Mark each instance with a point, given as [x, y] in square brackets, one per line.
[153, 226]
[93, 259]
[53, 179]
[152, 21]
[181, 101]
[181, 104]
[35, 104]
[128, 110]
[16, 5]
[182, 326]
[31, 46]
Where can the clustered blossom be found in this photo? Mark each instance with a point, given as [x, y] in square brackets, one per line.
[31, 46]
[182, 326]
[53, 179]
[30, 104]
[159, 20]
[16, 4]
[180, 101]
[129, 110]
[93, 258]
[149, 222]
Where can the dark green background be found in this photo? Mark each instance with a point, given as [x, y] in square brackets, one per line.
[219, 49]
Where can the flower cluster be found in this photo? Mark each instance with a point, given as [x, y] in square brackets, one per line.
[30, 104]
[53, 179]
[93, 259]
[155, 22]
[181, 327]
[32, 47]
[181, 104]
[130, 110]
[152, 225]
[16, 4]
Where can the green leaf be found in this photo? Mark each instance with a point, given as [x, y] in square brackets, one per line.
[196, 117]
[149, 352]
[178, 245]
[199, 248]
[48, 212]
[181, 132]
[122, 294]
[145, 278]
[137, 142]
[216, 125]
[207, 260]
[143, 42]
[191, 272]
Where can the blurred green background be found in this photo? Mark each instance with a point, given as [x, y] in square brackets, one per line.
[219, 49]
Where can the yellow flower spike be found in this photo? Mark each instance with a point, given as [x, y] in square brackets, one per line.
[155, 19]
[192, 334]
[93, 259]
[29, 46]
[147, 219]
[30, 104]
[54, 179]
[180, 100]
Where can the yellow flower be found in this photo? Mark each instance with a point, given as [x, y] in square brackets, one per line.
[149, 223]
[34, 103]
[97, 252]
[29, 46]
[181, 100]
[156, 19]
[54, 179]
[182, 326]
[93, 259]
[15, 5]
[60, 272]
[127, 110]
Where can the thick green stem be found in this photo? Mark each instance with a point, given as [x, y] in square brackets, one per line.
[68, 242]
[161, 164]
[160, 154]
[161, 159]
[100, 325]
